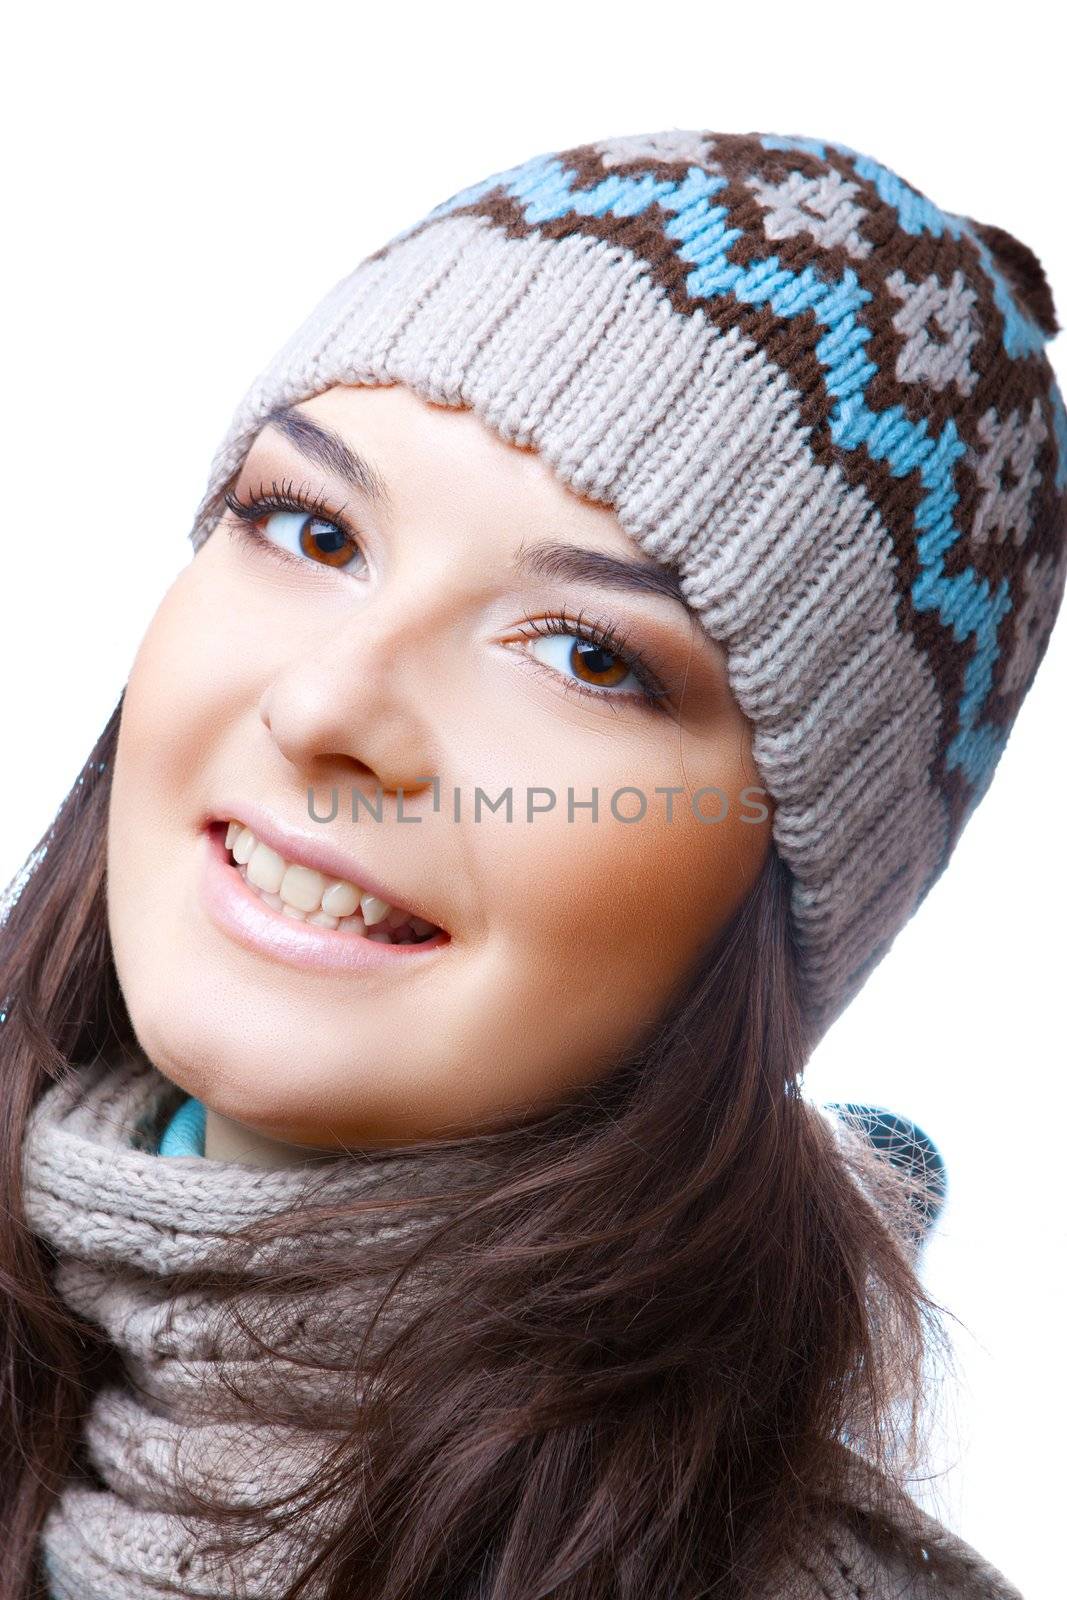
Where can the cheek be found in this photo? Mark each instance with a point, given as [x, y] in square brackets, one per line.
[603, 918]
[178, 689]
[197, 674]
[184, 688]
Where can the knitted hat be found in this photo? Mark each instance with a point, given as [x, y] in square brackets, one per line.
[821, 400]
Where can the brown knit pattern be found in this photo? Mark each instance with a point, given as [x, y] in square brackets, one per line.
[822, 399]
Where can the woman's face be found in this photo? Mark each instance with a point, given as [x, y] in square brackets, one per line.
[392, 648]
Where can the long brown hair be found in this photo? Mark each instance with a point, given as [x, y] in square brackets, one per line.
[690, 1313]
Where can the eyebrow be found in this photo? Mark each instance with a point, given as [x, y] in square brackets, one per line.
[546, 560]
[581, 565]
[329, 451]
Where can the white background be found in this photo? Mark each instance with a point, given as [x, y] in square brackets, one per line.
[183, 184]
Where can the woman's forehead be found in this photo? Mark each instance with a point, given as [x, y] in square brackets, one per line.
[394, 448]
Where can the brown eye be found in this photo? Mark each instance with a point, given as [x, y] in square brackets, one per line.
[586, 664]
[301, 533]
[596, 665]
[324, 542]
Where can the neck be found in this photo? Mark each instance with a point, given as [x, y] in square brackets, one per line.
[227, 1140]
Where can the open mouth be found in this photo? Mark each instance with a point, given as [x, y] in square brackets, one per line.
[304, 894]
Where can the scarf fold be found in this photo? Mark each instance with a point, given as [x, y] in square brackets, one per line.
[122, 1219]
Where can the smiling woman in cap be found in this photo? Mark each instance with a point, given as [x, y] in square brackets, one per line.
[606, 612]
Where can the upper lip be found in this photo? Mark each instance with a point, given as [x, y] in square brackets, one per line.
[296, 844]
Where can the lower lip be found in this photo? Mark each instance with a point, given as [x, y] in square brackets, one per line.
[238, 911]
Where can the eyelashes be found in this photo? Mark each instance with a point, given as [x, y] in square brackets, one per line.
[281, 498]
[302, 510]
[251, 511]
[604, 636]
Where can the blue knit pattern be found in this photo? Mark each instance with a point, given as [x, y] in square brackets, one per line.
[184, 1133]
[928, 331]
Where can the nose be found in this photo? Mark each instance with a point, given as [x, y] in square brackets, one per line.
[364, 696]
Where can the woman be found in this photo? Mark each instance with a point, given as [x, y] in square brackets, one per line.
[606, 612]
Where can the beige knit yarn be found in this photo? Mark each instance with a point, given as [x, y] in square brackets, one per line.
[122, 1221]
[821, 398]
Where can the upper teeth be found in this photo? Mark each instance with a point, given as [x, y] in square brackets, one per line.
[307, 893]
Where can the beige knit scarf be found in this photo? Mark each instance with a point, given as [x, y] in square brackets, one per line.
[123, 1220]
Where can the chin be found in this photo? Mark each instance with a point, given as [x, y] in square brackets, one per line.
[247, 1077]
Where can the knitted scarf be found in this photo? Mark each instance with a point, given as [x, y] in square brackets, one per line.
[122, 1219]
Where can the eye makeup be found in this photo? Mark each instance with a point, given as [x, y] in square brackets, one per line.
[335, 543]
